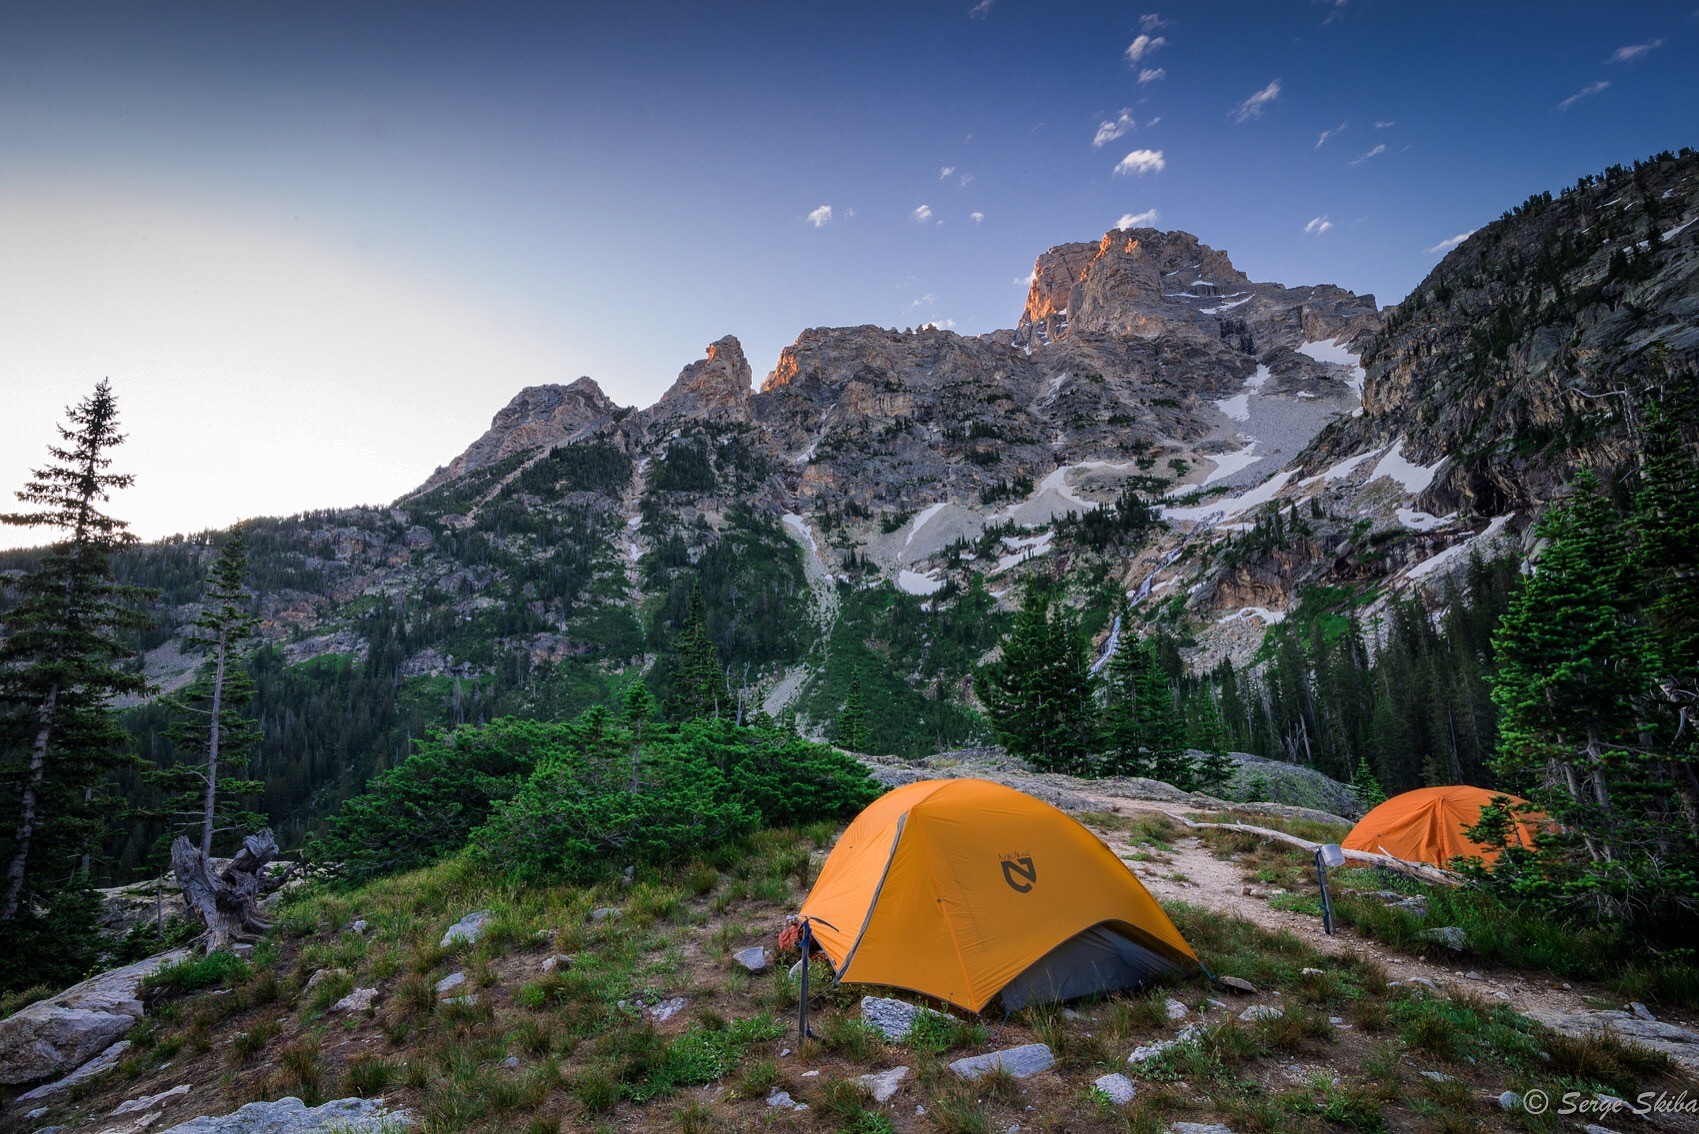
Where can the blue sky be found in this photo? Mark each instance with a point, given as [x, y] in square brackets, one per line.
[317, 245]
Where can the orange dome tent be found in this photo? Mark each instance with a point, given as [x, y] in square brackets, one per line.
[1427, 825]
[964, 889]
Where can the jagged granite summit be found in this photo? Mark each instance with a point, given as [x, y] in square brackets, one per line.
[538, 417]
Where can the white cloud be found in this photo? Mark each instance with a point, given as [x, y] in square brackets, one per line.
[966, 180]
[1146, 219]
[922, 214]
[940, 324]
[980, 10]
[1253, 106]
[1142, 162]
[1317, 226]
[1367, 154]
[1634, 51]
[944, 174]
[1109, 131]
[1383, 124]
[1326, 134]
[1451, 242]
[976, 217]
[1153, 21]
[1027, 280]
[929, 297]
[1152, 74]
[1589, 89]
[1143, 45]
[820, 217]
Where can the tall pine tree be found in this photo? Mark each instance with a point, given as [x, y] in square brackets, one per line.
[698, 679]
[1142, 730]
[210, 727]
[61, 655]
[1040, 693]
[852, 721]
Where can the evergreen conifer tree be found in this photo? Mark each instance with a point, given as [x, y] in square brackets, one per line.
[209, 728]
[1039, 693]
[1142, 729]
[1366, 785]
[1209, 736]
[698, 679]
[60, 661]
[852, 722]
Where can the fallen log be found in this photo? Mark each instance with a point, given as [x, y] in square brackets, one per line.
[227, 901]
[1417, 870]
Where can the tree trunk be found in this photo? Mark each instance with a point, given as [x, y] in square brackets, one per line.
[208, 811]
[228, 902]
[26, 820]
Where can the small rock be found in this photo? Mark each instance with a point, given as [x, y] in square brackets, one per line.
[1214, 1003]
[885, 1084]
[466, 1001]
[1436, 1076]
[1500, 994]
[1425, 983]
[1260, 1012]
[891, 1018]
[810, 1074]
[511, 1063]
[360, 1000]
[37, 1112]
[753, 958]
[1451, 936]
[151, 1102]
[467, 930]
[783, 1099]
[1070, 1014]
[242, 949]
[1473, 975]
[1510, 1100]
[449, 983]
[1197, 1128]
[558, 963]
[784, 1052]
[667, 1009]
[1642, 1011]
[1116, 1087]
[1175, 1009]
[1237, 984]
[1022, 1062]
[1590, 1128]
[357, 926]
[1311, 972]
[319, 977]
[605, 913]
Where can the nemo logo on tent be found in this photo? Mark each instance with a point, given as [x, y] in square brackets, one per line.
[1024, 869]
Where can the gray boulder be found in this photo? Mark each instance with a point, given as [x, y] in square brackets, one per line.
[1678, 1043]
[60, 1034]
[451, 984]
[292, 1116]
[1197, 1128]
[1022, 1062]
[885, 1084]
[892, 1018]
[667, 1009]
[1260, 1012]
[1117, 1088]
[753, 958]
[467, 930]
[102, 1062]
[1451, 936]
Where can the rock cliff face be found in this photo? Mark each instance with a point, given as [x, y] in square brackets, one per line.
[1530, 348]
[715, 388]
[538, 417]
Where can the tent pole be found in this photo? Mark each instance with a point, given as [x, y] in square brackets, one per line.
[806, 940]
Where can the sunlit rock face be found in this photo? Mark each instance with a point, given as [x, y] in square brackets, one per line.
[538, 417]
[713, 388]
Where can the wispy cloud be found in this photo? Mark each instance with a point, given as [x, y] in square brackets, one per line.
[1317, 226]
[821, 217]
[1139, 220]
[1589, 89]
[1253, 106]
[1451, 242]
[1143, 45]
[1634, 51]
[1027, 280]
[1108, 131]
[940, 324]
[1326, 134]
[1153, 21]
[980, 10]
[1368, 154]
[1152, 74]
[1385, 123]
[1337, 13]
[1142, 162]
[976, 217]
[922, 301]
[965, 180]
[922, 214]
[944, 174]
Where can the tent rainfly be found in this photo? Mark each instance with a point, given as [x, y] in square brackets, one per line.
[966, 890]
[1427, 825]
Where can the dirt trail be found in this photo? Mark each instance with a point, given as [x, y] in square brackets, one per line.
[1195, 875]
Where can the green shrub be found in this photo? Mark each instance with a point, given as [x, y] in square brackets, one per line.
[220, 968]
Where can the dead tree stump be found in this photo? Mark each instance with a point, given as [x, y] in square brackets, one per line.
[228, 901]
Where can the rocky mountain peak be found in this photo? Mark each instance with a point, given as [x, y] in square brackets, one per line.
[537, 417]
[717, 386]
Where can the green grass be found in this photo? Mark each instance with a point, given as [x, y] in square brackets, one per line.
[220, 968]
